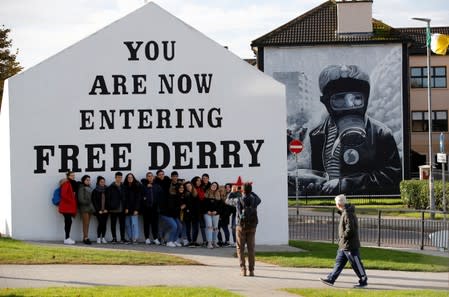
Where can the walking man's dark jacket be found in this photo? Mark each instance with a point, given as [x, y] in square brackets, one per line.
[348, 229]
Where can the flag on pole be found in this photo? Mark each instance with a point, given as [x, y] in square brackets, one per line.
[439, 43]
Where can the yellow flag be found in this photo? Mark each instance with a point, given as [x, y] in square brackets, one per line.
[439, 43]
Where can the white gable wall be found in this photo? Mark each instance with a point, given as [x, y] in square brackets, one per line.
[47, 100]
[5, 173]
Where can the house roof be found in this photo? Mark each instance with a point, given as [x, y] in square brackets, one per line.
[319, 26]
[251, 61]
[418, 35]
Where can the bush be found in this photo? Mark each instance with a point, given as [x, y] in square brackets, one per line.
[439, 195]
[412, 194]
[415, 194]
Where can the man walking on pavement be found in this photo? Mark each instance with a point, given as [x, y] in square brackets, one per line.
[348, 245]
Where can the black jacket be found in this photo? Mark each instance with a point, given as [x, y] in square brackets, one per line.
[164, 184]
[379, 168]
[348, 229]
[170, 206]
[133, 197]
[96, 200]
[115, 198]
[225, 212]
[212, 204]
[151, 195]
[186, 200]
[194, 204]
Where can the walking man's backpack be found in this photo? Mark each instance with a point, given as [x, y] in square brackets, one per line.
[248, 218]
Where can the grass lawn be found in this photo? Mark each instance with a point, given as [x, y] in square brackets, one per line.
[322, 255]
[118, 291]
[366, 293]
[18, 252]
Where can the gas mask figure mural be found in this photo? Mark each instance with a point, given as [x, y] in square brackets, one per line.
[358, 153]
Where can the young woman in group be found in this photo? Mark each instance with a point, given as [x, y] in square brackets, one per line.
[133, 195]
[100, 202]
[200, 195]
[184, 217]
[85, 206]
[225, 213]
[170, 225]
[68, 204]
[181, 239]
[212, 203]
[191, 220]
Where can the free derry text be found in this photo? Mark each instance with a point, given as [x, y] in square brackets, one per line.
[176, 152]
[180, 154]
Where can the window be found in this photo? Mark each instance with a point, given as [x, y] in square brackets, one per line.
[418, 77]
[439, 121]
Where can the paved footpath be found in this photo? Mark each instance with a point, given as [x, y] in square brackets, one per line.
[219, 270]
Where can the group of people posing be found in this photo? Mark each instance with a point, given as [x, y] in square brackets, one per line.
[175, 210]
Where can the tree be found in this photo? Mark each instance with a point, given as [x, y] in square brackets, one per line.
[8, 64]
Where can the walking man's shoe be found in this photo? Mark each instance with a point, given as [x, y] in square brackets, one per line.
[326, 281]
[360, 285]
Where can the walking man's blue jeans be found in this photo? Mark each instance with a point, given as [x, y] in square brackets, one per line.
[356, 263]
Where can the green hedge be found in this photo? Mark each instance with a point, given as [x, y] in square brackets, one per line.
[415, 194]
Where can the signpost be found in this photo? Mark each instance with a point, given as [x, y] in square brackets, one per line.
[441, 158]
[295, 148]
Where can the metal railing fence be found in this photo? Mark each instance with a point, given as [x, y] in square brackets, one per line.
[381, 230]
[355, 199]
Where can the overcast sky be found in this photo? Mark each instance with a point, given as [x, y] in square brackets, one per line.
[41, 28]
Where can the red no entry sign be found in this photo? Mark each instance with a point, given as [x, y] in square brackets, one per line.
[295, 146]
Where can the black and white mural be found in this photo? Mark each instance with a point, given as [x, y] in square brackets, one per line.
[345, 105]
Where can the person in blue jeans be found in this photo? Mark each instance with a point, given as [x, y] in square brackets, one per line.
[133, 193]
[211, 213]
[225, 214]
[170, 226]
[191, 216]
[348, 245]
[152, 194]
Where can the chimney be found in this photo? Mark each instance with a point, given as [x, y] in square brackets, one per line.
[354, 17]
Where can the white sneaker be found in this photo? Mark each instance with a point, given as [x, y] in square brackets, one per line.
[178, 244]
[98, 240]
[171, 244]
[185, 242]
[69, 241]
[147, 241]
[103, 240]
[156, 242]
[209, 245]
[215, 245]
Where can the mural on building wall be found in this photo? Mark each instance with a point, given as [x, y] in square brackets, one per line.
[347, 111]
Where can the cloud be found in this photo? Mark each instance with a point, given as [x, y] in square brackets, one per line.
[42, 28]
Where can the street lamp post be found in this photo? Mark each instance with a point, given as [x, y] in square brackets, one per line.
[429, 114]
